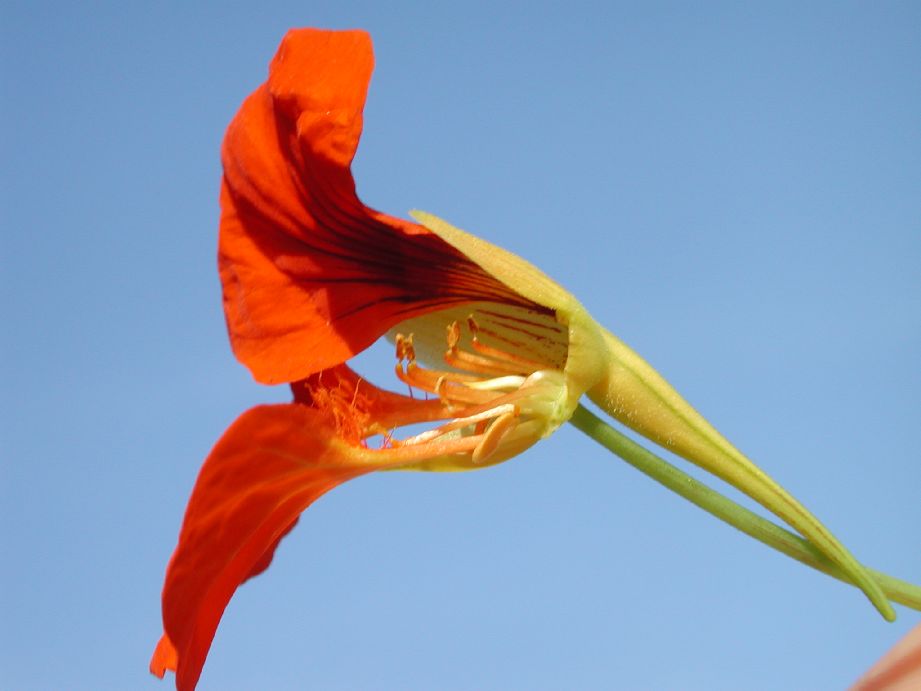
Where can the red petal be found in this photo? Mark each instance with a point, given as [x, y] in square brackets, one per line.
[310, 275]
[269, 466]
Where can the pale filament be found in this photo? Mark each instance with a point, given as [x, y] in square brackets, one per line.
[461, 422]
[513, 381]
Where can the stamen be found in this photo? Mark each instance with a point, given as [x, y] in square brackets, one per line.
[453, 334]
[438, 383]
[494, 362]
[490, 441]
[526, 393]
[498, 353]
[404, 348]
[477, 363]
[501, 400]
[423, 452]
[461, 422]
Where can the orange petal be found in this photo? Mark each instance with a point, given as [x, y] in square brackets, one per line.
[310, 275]
[269, 466]
[165, 657]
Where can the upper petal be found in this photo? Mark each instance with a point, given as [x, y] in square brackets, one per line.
[310, 275]
[269, 466]
[587, 351]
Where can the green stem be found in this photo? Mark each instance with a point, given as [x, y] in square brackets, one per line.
[633, 393]
[729, 511]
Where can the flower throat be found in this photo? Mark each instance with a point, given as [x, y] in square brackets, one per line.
[499, 387]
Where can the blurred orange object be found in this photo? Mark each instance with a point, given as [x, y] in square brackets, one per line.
[897, 670]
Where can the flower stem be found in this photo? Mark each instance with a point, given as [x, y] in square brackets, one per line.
[729, 511]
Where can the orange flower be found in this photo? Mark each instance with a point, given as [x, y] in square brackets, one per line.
[312, 277]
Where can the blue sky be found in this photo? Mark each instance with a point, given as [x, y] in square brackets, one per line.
[731, 189]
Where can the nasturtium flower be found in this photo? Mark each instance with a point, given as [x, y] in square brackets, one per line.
[496, 355]
[311, 277]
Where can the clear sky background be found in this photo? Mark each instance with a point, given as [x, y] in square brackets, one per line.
[732, 189]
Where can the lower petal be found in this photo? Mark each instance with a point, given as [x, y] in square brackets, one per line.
[270, 465]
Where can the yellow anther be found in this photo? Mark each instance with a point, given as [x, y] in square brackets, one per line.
[404, 348]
